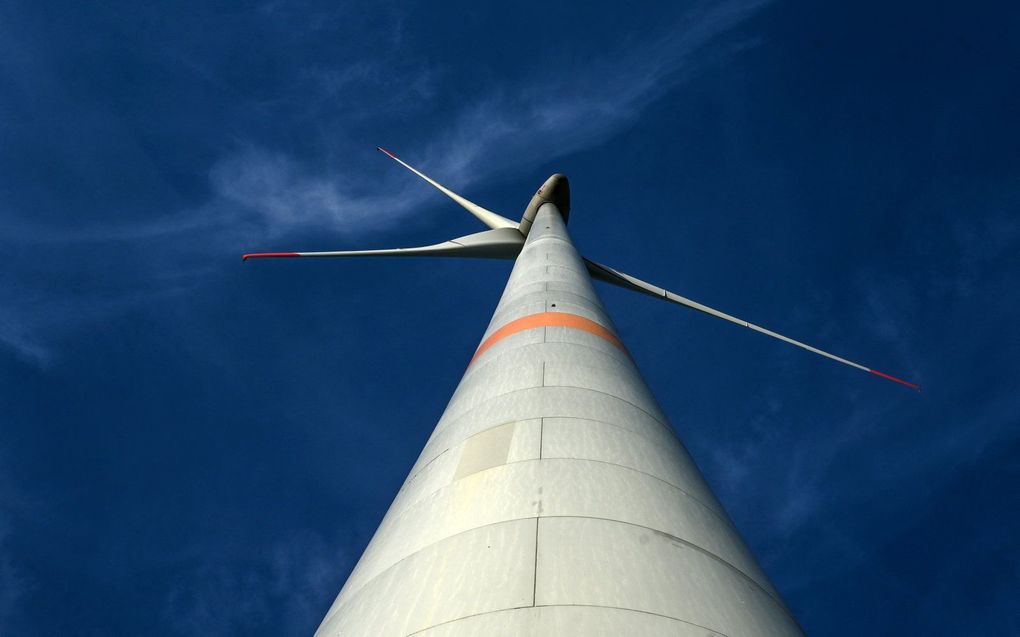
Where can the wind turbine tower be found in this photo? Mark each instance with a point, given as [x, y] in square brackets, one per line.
[553, 498]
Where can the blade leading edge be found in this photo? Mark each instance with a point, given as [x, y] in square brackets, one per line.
[610, 275]
[501, 243]
[487, 217]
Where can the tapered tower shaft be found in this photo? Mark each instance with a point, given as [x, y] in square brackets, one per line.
[553, 497]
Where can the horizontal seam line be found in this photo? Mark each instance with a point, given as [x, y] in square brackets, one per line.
[644, 473]
[705, 552]
[701, 549]
[672, 436]
[721, 518]
[515, 608]
[476, 369]
[516, 391]
[530, 366]
[726, 522]
[361, 588]
[694, 546]
[667, 430]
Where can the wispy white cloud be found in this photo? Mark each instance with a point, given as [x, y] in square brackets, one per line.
[22, 337]
[577, 108]
[968, 251]
[499, 133]
[807, 491]
[283, 589]
[555, 112]
[261, 195]
[276, 194]
[14, 583]
[32, 321]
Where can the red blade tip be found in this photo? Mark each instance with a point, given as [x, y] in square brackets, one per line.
[896, 380]
[383, 150]
[261, 255]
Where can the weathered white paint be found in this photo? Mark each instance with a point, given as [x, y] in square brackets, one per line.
[553, 497]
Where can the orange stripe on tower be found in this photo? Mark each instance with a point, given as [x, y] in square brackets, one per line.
[548, 319]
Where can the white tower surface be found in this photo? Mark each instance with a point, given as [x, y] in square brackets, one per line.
[553, 498]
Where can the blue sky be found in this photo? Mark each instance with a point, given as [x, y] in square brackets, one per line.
[192, 446]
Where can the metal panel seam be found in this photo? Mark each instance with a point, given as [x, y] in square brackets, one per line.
[463, 415]
[717, 514]
[354, 593]
[614, 356]
[415, 474]
[524, 608]
[700, 549]
[704, 551]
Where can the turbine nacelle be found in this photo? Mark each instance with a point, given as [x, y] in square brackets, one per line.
[555, 190]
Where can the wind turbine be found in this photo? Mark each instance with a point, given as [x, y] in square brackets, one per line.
[553, 497]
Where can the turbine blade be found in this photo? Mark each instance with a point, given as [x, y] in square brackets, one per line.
[501, 243]
[609, 275]
[487, 217]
